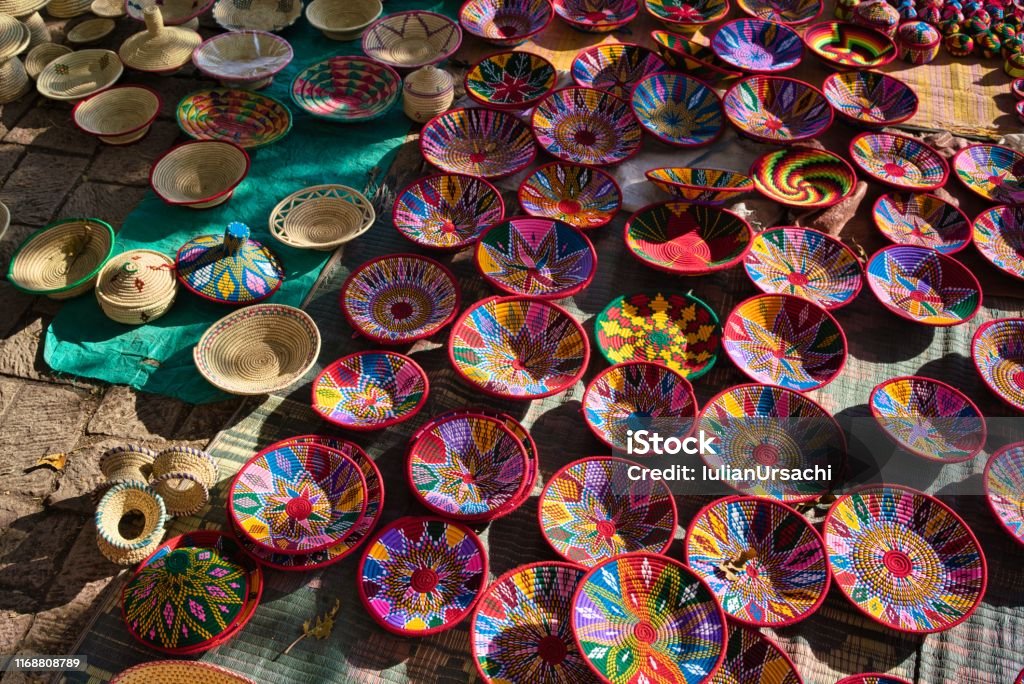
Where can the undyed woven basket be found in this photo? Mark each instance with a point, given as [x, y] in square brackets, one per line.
[119, 501]
[14, 80]
[109, 9]
[243, 59]
[37, 30]
[14, 37]
[79, 74]
[41, 55]
[343, 19]
[183, 493]
[408, 40]
[321, 217]
[62, 259]
[427, 92]
[182, 459]
[90, 31]
[118, 116]
[256, 15]
[137, 286]
[199, 174]
[179, 672]
[66, 9]
[159, 49]
[5, 219]
[127, 463]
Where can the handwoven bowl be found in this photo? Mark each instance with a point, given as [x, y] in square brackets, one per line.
[234, 115]
[685, 16]
[199, 174]
[591, 510]
[992, 172]
[789, 12]
[420, 576]
[446, 211]
[783, 340]
[1004, 488]
[536, 257]
[843, 46]
[90, 31]
[409, 40]
[581, 196]
[510, 80]
[904, 559]
[62, 259]
[757, 46]
[179, 672]
[137, 286]
[399, 298]
[760, 426]
[1017, 87]
[645, 617]
[518, 348]
[906, 218]
[109, 9]
[752, 655]
[921, 285]
[698, 60]
[678, 109]
[998, 234]
[870, 99]
[700, 185]
[675, 330]
[78, 75]
[777, 110]
[256, 15]
[119, 116]
[596, 16]
[638, 395]
[505, 23]
[687, 239]
[347, 89]
[997, 350]
[321, 217]
[477, 142]
[803, 177]
[123, 499]
[243, 59]
[587, 126]
[343, 19]
[763, 560]
[872, 678]
[806, 263]
[370, 390]
[175, 12]
[616, 68]
[41, 55]
[899, 161]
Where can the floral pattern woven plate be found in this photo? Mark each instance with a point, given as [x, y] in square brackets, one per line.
[370, 390]
[789, 12]
[1004, 488]
[999, 235]
[921, 285]
[477, 142]
[615, 67]
[678, 109]
[777, 110]
[505, 23]
[699, 185]
[447, 211]
[757, 46]
[243, 117]
[511, 80]
[752, 657]
[803, 178]
[870, 99]
[581, 196]
[899, 162]
[998, 353]
[596, 16]
[687, 239]
[844, 45]
[921, 220]
[992, 172]
[587, 126]
[347, 89]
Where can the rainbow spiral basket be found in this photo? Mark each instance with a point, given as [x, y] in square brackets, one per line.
[347, 89]
[998, 354]
[899, 161]
[505, 23]
[992, 172]
[370, 390]
[872, 678]
[596, 16]
[789, 12]
[803, 178]
[676, 330]
[762, 559]
[587, 126]
[643, 617]
[923, 286]
[753, 657]
[1004, 488]
[922, 220]
[447, 210]
[700, 185]
[998, 234]
[805, 263]
[842, 45]
[904, 559]
[511, 80]
[243, 117]
[870, 99]
[686, 16]
[591, 510]
[757, 46]
[536, 257]
[678, 109]
[615, 67]
[777, 110]
[683, 54]
[581, 196]
[477, 142]
[687, 239]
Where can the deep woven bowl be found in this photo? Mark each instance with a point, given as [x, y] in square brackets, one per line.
[804, 178]
[118, 116]
[256, 15]
[370, 390]
[179, 672]
[342, 19]
[175, 12]
[783, 340]
[993, 172]
[638, 395]
[518, 348]
[757, 46]
[700, 185]
[581, 196]
[647, 617]
[777, 110]
[842, 45]
[596, 16]
[998, 234]
[687, 239]
[505, 23]
[477, 142]
[347, 89]
[870, 99]
[698, 60]
[899, 162]
[446, 211]
[62, 259]
[511, 80]
[904, 559]
[1004, 488]
[762, 559]
[409, 40]
[234, 115]
[685, 16]
[678, 109]
[923, 286]
[243, 58]
[998, 353]
[806, 263]
[587, 126]
[922, 220]
[399, 298]
[419, 576]
[790, 12]
[616, 68]
[677, 330]
[199, 174]
[751, 654]
[591, 510]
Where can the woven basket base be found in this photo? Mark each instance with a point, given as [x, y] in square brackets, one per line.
[126, 139]
[37, 31]
[248, 85]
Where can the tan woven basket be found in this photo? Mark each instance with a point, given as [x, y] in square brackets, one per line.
[14, 81]
[109, 9]
[408, 40]
[343, 19]
[128, 463]
[41, 55]
[21, 8]
[118, 116]
[79, 75]
[66, 9]
[62, 259]
[256, 15]
[427, 92]
[182, 459]
[199, 174]
[243, 59]
[321, 217]
[90, 31]
[37, 30]
[179, 672]
[183, 493]
[121, 500]
[159, 49]
[14, 37]
[137, 287]
[5, 219]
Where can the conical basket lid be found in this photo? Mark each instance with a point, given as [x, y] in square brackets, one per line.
[229, 268]
[159, 47]
[137, 278]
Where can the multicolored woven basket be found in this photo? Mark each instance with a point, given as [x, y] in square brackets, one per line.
[596, 16]
[997, 350]
[899, 161]
[687, 239]
[587, 126]
[231, 268]
[804, 178]
[1004, 488]
[347, 89]
[843, 45]
[511, 80]
[700, 185]
[992, 172]
[777, 110]
[921, 285]
[753, 657]
[370, 390]
[678, 109]
[505, 23]
[757, 46]
[697, 59]
[789, 12]
[477, 142]
[870, 98]
[243, 117]
[686, 16]
[616, 68]
[912, 218]
[581, 196]
[446, 210]
[998, 233]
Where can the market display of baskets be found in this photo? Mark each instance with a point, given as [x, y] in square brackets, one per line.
[700, 185]
[581, 196]
[321, 217]
[347, 89]
[997, 350]
[199, 174]
[678, 109]
[615, 68]
[845, 46]
[447, 210]
[923, 286]
[243, 117]
[477, 142]
[992, 172]
[596, 16]
[510, 80]
[505, 23]
[243, 59]
[923, 220]
[118, 116]
[899, 161]
[587, 126]
[757, 46]
[777, 110]
[803, 178]
[687, 239]
[870, 98]
[998, 233]
[409, 40]
[62, 259]
[370, 390]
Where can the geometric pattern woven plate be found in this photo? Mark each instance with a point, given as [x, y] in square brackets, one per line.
[596, 16]
[899, 162]
[869, 98]
[587, 126]
[510, 80]
[913, 218]
[370, 390]
[505, 23]
[999, 236]
[993, 172]
[757, 46]
[578, 195]
[678, 109]
[321, 217]
[478, 142]
[844, 45]
[700, 185]
[777, 110]
[803, 178]
[1004, 488]
[752, 658]
[921, 285]
[686, 16]
[242, 117]
[696, 59]
[229, 269]
[687, 239]
[616, 68]
[446, 210]
[347, 89]
[790, 12]
[998, 353]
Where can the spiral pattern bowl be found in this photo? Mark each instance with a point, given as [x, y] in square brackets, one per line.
[581, 196]
[699, 185]
[687, 239]
[477, 142]
[370, 390]
[992, 172]
[998, 353]
[678, 109]
[446, 211]
[505, 23]
[870, 99]
[998, 234]
[411, 39]
[511, 80]
[587, 126]
[899, 161]
[803, 178]
[843, 46]
[615, 67]
[921, 220]
[757, 46]
[923, 286]
[777, 110]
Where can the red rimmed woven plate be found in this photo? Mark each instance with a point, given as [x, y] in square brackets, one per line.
[505, 23]
[872, 678]
[596, 16]
[923, 286]
[803, 178]
[992, 172]
[911, 218]
[777, 110]
[899, 161]
[581, 196]
[370, 390]
[510, 80]
[347, 89]
[998, 234]
[700, 185]
[684, 54]
[997, 350]
[615, 68]
[678, 109]
[1004, 488]
[587, 126]
[757, 46]
[477, 142]
[752, 658]
[789, 12]
[844, 45]
[870, 99]
[446, 210]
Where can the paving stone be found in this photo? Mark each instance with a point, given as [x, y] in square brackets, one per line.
[12, 111]
[8, 389]
[21, 352]
[14, 506]
[9, 156]
[16, 613]
[128, 413]
[82, 475]
[106, 201]
[34, 548]
[204, 422]
[171, 89]
[14, 236]
[51, 129]
[39, 185]
[130, 165]
[13, 304]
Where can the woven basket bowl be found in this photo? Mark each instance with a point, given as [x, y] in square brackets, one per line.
[789, 12]
[752, 654]
[426, 93]
[683, 16]
[183, 493]
[923, 286]
[256, 15]
[159, 49]
[62, 259]
[777, 110]
[120, 500]
[243, 59]
[596, 16]
[41, 55]
[128, 463]
[446, 211]
[581, 196]
[997, 350]
[913, 218]
[409, 40]
[175, 12]
[14, 37]
[1004, 489]
[199, 174]
[616, 67]
[108, 9]
[182, 459]
[587, 126]
[79, 75]
[90, 31]
[998, 234]
[66, 9]
[477, 142]
[339, 391]
[757, 46]
[687, 55]
[700, 185]
[870, 99]
[343, 19]
[259, 349]
[803, 178]
[899, 161]
[321, 217]
[119, 116]
[179, 672]
[486, 81]
[687, 239]
[137, 287]
[14, 80]
[347, 89]
[843, 46]
[243, 117]
[38, 32]
[992, 172]
[678, 109]
[505, 23]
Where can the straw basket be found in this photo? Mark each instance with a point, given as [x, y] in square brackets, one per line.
[122, 499]
[5, 219]
[321, 217]
[199, 174]
[182, 459]
[427, 92]
[66, 9]
[14, 81]
[118, 116]
[179, 672]
[90, 31]
[41, 55]
[80, 74]
[243, 59]
[159, 49]
[183, 493]
[408, 40]
[14, 37]
[108, 9]
[62, 259]
[343, 19]
[37, 30]
[128, 463]
[137, 287]
[256, 15]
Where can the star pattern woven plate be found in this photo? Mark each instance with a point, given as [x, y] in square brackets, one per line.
[586, 126]
[757, 46]
[921, 285]
[803, 178]
[999, 235]
[511, 80]
[899, 162]
[243, 117]
[777, 110]
[700, 185]
[1004, 488]
[870, 99]
[678, 109]
[998, 353]
[686, 16]
[789, 12]
[687, 239]
[911, 218]
[505, 23]
[446, 211]
[478, 142]
[347, 89]
[752, 658]
[696, 59]
[370, 390]
[992, 172]
[578, 195]
[615, 67]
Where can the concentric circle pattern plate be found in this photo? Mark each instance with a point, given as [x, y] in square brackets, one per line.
[243, 117]
[687, 239]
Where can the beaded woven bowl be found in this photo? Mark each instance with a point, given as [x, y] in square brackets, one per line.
[643, 617]
[899, 161]
[446, 211]
[536, 257]
[242, 117]
[752, 657]
[477, 142]
[806, 263]
[586, 126]
[923, 286]
[870, 99]
[777, 110]
[347, 89]
[687, 15]
[804, 178]
[511, 80]
[783, 340]
[992, 172]
[591, 510]
[616, 68]
[998, 353]
[505, 23]
[370, 390]
[904, 559]
[842, 45]
[700, 185]
[790, 12]
[581, 196]
[676, 330]
[998, 234]
[678, 109]
[912, 218]
[419, 576]
[518, 348]
[230, 268]
[757, 46]
[596, 16]
[698, 60]
[687, 239]
[411, 39]
[1004, 488]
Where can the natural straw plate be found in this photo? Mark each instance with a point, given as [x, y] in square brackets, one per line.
[137, 287]
[199, 174]
[256, 15]
[14, 80]
[41, 55]
[321, 217]
[243, 59]
[62, 259]
[343, 19]
[118, 116]
[120, 500]
[90, 31]
[159, 49]
[409, 40]
[179, 672]
[80, 74]
[66, 9]
[37, 29]
[108, 9]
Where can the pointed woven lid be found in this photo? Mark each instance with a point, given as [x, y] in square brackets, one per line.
[229, 268]
[159, 47]
[138, 278]
[14, 37]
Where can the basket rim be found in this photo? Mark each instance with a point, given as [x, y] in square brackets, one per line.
[393, 75]
[252, 96]
[746, 7]
[129, 86]
[721, 73]
[600, 47]
[498, 113]
[599, 27]
[377, 4]
[596, 170]
[198, 664]
[221, 193]
[561, 156]
[852, 27]
[397, 65]
[661, 136]
[986, 484]
[890, 196]
[361, 427]
[944, 165]
[860, 678]
[755, 136]
[290, 52]
[713, 44]
[840, 76]
[689, 25]
[95, 222]
[755, 175]
[445, 174]
[518, 39]
[87, 52]
[519, 106]
[982, 329]
[745, 187]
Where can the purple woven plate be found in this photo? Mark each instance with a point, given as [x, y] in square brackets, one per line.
[587, 126]
[505, 23]
[869, 98]
[999, 236]
[777, 110]
[757, 46]
[899, 161]
[477, 142]
[596, 16]
[616, 67]
[923, 286]
[913, 218]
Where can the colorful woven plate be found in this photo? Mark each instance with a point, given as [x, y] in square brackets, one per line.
[511, 80]
[993, 172]
[783, 340]
[591, 510]
[347, 89]
[999, 236]
[477, 142]
[752, 658]
[616, 67]
[805, 263]
[700, 185]
[777, 110]
[586, 126]
[872, 678]
[537, 257]
[687, 239]
[505, 23]
[764, 561]
[842, 45]
[803, 177]
[518, 348]
[644, 617]
[1004, 488]
[904, 559]
[676, 330]
[178, 671]
[998, 353]
[678, 109]
[399, 298]
[929, 418]
[757, 46]
[870, 99]
[687, 15]
[596, 16]
[912, 218]
[581, 196]
[638, 395]
[446, 211]
[698, 60]
[899, 162]
[370, 390]
[419, 576]
[229, 268]
[789, 12]
[923, 286]
[242, 117]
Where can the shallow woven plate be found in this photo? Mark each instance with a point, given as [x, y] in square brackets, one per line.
[777, 110]
[347, 89]
[199, 173]
[923, 286]
[1004, 488]
[687, 239]
[581, 196]
[238, 116]
[79, 74]
[678, 109]
[999, 235]
[993, 172]
[698, 60]
[477, 142]
[256, 15]
[687, 15]
[615, 68]
[998, 353]
[370, 390]
[753, 657]
[179, 672]
[757, 46]
[922, 220]
[446, 211]
[700, 185]
[596, 16]
[247, 58]
[790, 12]
[321, 217]
[408, 40]
[899, 162]
[510, 80]
[587, 126]
[842, 45]
[803, 178]
[870, 98]
[505, 23]
[872, 678]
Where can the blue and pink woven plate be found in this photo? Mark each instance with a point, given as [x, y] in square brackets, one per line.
[447, 210]
[587, 126]
[478, 142]
[757, 46]
[923, 286]
[581, 196]
[678, 109]
[998, 234]
[998, 353]
[616, 68]
[922, 220]
[370, 390]
[992, 172]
